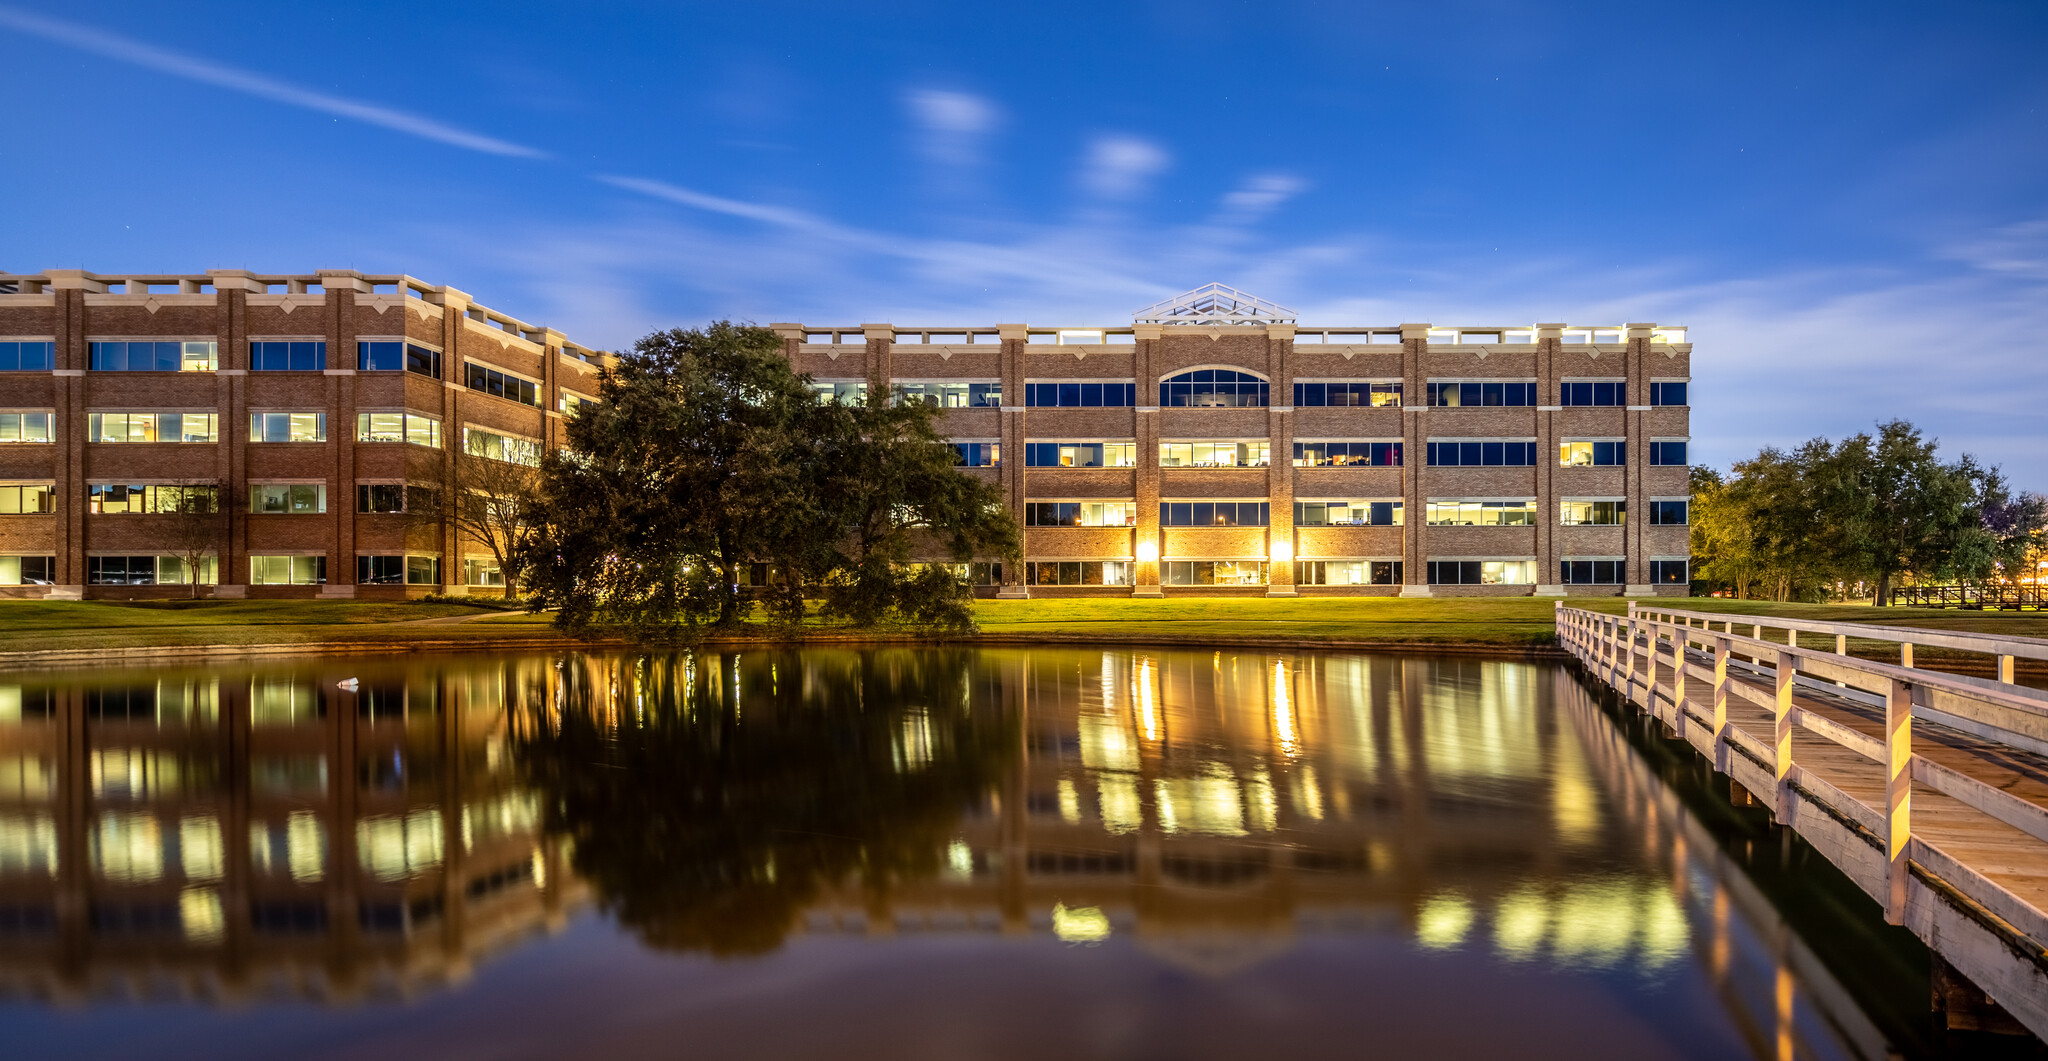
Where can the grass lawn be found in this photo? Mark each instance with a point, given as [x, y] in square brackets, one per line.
[1510, 622]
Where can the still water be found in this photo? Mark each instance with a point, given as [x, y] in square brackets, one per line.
[904, 854]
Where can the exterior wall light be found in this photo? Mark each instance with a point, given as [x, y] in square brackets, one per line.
[1281, 551]
[1148, 551]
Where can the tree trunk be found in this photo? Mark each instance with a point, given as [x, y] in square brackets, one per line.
[1884, 589]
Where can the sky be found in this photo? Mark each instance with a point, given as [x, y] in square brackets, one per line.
[1845, 203]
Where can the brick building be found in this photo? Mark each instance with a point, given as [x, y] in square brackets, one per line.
[1216, 446]
[309, 401]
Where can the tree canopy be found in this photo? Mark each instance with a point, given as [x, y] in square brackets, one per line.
[707, 453]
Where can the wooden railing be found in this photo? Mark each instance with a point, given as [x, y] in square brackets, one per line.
[1988, 595]
[1689, 668]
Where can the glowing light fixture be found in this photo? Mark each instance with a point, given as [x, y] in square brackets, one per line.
[1281, 551]
[1148, 551]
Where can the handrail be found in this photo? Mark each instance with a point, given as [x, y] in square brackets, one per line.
[2005, 647]
[1634, 652]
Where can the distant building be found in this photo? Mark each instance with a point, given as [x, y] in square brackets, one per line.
[311, 399]
[1216, 446]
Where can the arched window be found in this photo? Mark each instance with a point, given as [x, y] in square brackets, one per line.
[1213, 388]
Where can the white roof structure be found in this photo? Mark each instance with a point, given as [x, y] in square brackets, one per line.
[1214, 304]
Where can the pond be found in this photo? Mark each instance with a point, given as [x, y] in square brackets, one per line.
[905, 853]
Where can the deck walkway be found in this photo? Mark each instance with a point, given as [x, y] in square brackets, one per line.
[1929, 790]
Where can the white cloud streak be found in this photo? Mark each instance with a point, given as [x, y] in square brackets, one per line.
[1117, 167]
[952, 124]
[136, 53]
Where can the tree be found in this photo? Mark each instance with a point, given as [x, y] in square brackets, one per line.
[196, 523]
[486, 500]
[1916, 514]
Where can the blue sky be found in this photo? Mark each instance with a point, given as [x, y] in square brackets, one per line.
[1846, 202]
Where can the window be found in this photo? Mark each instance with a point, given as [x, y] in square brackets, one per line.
[845, 392]
[480, 443]
[1669, 393]
[422, 570]
[290, 499]
[1080, 513]
[1591, 454]
[391, 356]
[121, 499]
[1347, 454]
[1483, 453]
[28, 357]
[952, 395]
[1667, 453]
[1453, 395]
[1482, 572]
[155, 357]
[1670, 513]
[1347, 572]
[481, 571]
[1347, 514]
[287, 427]
[1077, 394]
[975, 574]
[1373, 394]
[28, 570]
[1213, 388]
[1603, 392]
[1214, 513]
[1670, 572]
[18, 499]
[24, 427]
[1072, 573]
[1592, 513]
[501, 384]
[977, 455]
[398, 427]
[173, 571]
[152, 427]
[1482, 513]
[1080, 454]
[120, 570]
[1213, 572]
[376, 498]
[1214, 454]
[296, 356]
[380, 570]
[287, 570]
[1592, 572]
[571, 403]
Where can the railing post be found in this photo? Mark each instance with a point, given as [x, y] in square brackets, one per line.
[1628, 646]
[1721, 650]
[2005, 669]
[1898, 796]
[1906, 654]
[1678, 639]
[1841, 644]
[1781, 717]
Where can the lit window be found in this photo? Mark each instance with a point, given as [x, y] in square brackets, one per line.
[845, 392]
[480, 443]
[287, 570]
[950, 395]
[287, 427]
[398, 427]
[293, 499]
[1591, 454]
[1213, 572]
[1482, 572]
[1348, 514]
[155, 356]
[1077, 573]
[24, 427]
[1214, 454]
[152, 427]
[977, 455]
[1080, 513]
[18, 499]
[1080, 454]
[1481, 513]
[1347, 573]
[1214, 513]
[27, 571]
[1381, 395]
[1347, 454]
[1592, 513]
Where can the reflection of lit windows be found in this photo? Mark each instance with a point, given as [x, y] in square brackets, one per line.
[28, 845]
[1210, 804]
[1121, 811]
[297, 846]
[128, 847]
[1442, 922]
[200, 850]
[1070, 802]
[394, 848]
[1079, 924]
[200, 914]
[26, 778]
[914, 742]
[284, 702]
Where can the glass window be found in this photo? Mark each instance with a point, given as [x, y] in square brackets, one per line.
[977, 455]
[1347, 454]
[398, 427]
[1482, 453]
[480, 443]
[1670, 572]
[19, 499]
[294, 356]
[1670, 513]
[380, 356]
[380, 570]
[28, 570]
[501, 384]
[1667, 394]
[1080, 513]
[1482, 572]
[1347, 572]
[1080, 454]
[1213, 572]
[1077, 573]
[1214, 454]
[1482, 393]
[152, 427]
[845, 392]
[481, 571]
[288, 499]
[1348, 394]
[173, 571]
[1214, 388]
[1592, 513]
[1591, 454]
[131, 499]
[1481, 513]
[24, 427]
[1592, 572]
[287, 570]
[1214, 513]
[1602, 392]
[1347, 514]
[287, 427]
[1082, 394]
[950, 395]
[120, 570]
[572, 403]
[422, 570]
[135, 356]
[380, 497]
[1667, 453]
[28, 357]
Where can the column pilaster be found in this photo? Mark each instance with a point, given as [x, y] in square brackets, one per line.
[1280, 461]
[1146, 581]
[1414, 439]
[1636, 364]
[1548, 516]
[1013, 426]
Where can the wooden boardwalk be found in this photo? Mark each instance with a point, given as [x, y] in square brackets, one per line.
[1929, 790]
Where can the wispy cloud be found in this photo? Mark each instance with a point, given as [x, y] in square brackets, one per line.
[136, 53]
[1117, 167]
[952, 125]
[1259, 196]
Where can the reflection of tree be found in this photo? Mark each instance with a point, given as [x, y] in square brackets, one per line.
[726, 791]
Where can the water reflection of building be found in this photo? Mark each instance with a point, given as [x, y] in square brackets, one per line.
[236, 833]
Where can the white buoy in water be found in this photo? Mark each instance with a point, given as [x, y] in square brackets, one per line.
[349, 684]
